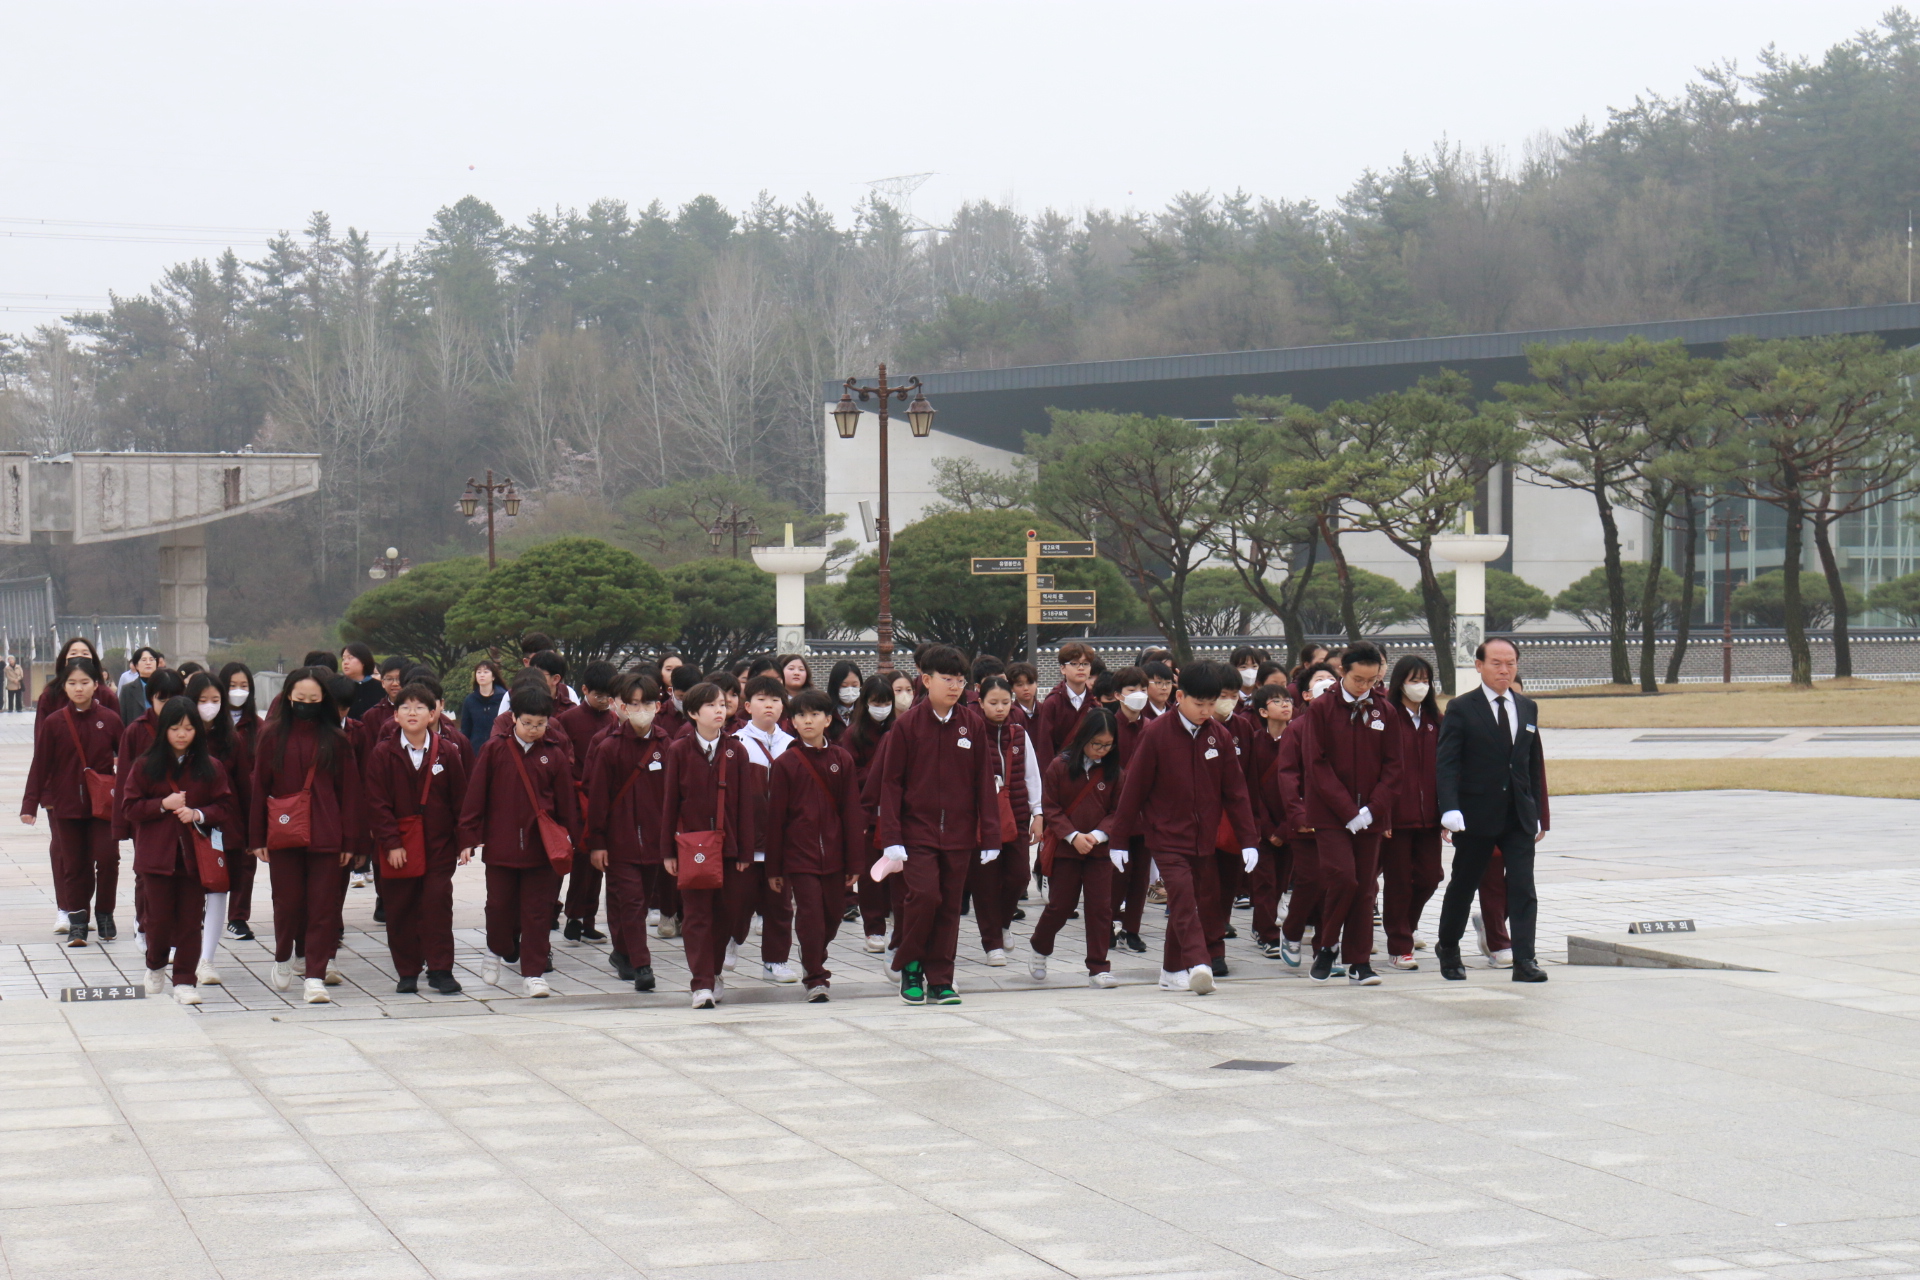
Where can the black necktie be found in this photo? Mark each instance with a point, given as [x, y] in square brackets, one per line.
[1506, 725]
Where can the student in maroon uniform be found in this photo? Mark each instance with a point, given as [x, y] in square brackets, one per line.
[1273, 711]
[173, 787]
[135, 738]
[864, 739]
[1183, 777]
[303, 749]
[1025, 679]
[1160, 687]
[1352, 773]
[708, 790]
[765, 742]
[1245, 661]
[1079, 790]
[816, 841]
[1133, 714]
[1410, 857]
[414, 772]
[673, 719]
[937, 814]
[81, 735]
[54, 696]
[626, 785]
[843, 686]
[582, 724]
[996, 886]
[1230, 869]
[516, 779]
[234, 754]
[794, 673]
[1063, 706]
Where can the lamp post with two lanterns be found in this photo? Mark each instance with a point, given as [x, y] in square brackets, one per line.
[470, 502]
[391, 565]
[846, 420]
[736, 522]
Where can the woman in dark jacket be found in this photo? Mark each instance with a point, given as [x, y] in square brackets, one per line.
[1410, 857]
[482, 706]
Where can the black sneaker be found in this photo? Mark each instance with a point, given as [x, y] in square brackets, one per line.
[379, 911]
[1135, 942]
[1322, 965]
[1242, 903]
[1232, 932]
[77, 929]
[945, 995]
[622, 967]
[443, 981]
[1219, 966]
[572, 931]
[590, 934]
[1018, 914]
[104, 927]
[913, 985]
[240, 929]
[1362, 975]
[851, 914]
[1271, 950]
[643, 978]
[407, 986]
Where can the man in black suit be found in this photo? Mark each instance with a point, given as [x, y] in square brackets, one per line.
[1493, 795]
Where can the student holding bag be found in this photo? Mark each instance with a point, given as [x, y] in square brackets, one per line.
[416, 785]
[520, 810]
[706, 821]
[626, 780]
[234, 755]
[817, 837]
[177, 793]
[996, 886]
[1079, 792]
[305, 812]
[72, 775]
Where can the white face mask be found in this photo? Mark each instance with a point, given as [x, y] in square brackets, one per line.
[903, 701]
[1247, 674]
[1134, 700]
[1415, 692]
[879, 710]
[1319, 687]
[238, 697]
[208, 710]
[640, 716]
[850, 694]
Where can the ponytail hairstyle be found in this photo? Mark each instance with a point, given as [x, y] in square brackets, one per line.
[1096, 722]
[219, 731]
[157, 760]
[330, 739]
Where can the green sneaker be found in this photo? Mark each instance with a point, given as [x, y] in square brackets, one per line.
[945, 995]
[913, 984]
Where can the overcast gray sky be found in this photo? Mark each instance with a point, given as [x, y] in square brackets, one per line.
[145, 134]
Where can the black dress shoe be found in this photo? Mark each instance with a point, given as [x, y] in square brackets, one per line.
[379, 911]
[622, 967]
[104, 927]
[1018, 914]
[1219, 966]
[77, 928]
[407, 986]
[572, 931]
[1134, 942]
[643, 978]
[1527, 971]
[241, 930]
[443, 981]
[1232, 932]
[1448, 954]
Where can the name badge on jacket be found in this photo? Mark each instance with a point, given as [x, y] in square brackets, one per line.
[1211, 753]
[964, 743]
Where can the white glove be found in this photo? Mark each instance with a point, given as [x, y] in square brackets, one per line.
[898, 852]
[1453, 821]
[1099, 836]
[1361, 820]
[1119, 857]
[988, 855]
[1251, 858]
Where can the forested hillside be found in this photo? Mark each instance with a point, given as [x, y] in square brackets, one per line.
[601, 354]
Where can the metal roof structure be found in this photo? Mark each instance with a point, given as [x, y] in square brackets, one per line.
[1000, 407]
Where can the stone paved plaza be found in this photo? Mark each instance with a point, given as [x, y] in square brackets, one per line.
[1612, 1123]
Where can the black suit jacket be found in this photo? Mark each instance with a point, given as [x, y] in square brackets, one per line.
[1482, 772]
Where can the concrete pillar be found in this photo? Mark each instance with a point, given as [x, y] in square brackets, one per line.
[1469, 554]
[183, 595]
[790, 566]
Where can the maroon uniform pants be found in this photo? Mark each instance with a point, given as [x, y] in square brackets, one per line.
[995, 888]
[1349, 866]
[776, 918]
[1493, 904]
[309, 889]
[663, 892]
[818, 901]
[240, 873]
[1303, 908]
[86, 864]
[1076, 878]
[709, 919]
[878, 898]
[1193, 886]
[627, 903]
[1264, 885]
[520, 913]
[176, 905]
[935, 881]
[1409, 873]
[1229, 869]
[420, 915]
[583, 892]
[1130, 893]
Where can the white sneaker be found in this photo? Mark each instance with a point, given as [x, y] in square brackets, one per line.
[316, 991]
[1200, 980]
[779, 971]
[333, 978]
[156, 982]
[1102, 981]
[1306, 935]
[1038, 969]
[140, 940]
[490, 969]
[358, 880]
[206, 975]
[1419, 942]
[719, 987]
[756, 926]
[1404, 962]
[997, 957]
[703, 999]
[669, 927]
[876, 942]
[1173, 979]
[281, 975]
[60, 921]
[537, 988]
[733, 957]
[653, 916]
[1501, 959]
[184, 994]
[1480, 934]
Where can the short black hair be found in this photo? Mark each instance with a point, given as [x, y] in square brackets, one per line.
[163, 684]
[599, 675]
[649, 687]
[341, 689]
[396, 663]
[324, 658]
[1104, 687]
[683, 677]
[1157, 670]
[1129, 678]
[535, 642]
[532, 702]
[942, 660]
[761, 664]
[419, 693]
[1480, 650]
[1363, 654]
[1022, 671]
[725, 681]
[1246, 653]
[425, 679]
[765, 687]
[550, 662]
[701, 694]
[810, 700]
[1268, 668]
[985, 665]
[1266, 693]
[1201, 680]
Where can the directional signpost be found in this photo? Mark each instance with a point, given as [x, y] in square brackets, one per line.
[1045, 604]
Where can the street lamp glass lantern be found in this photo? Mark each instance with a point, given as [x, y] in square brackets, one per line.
[846, 416]
[512, 503]
[468, 505]
[920, 416]
[377, 573]
[393, 553]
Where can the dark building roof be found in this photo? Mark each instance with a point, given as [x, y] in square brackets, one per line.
[999, 407]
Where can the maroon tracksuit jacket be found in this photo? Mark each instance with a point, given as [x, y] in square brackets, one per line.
[1058, 719]
[335, 812]
[54, 779]
[937, 783]
[161, 844]
[816, 826]
[497, 812]
[393, 789]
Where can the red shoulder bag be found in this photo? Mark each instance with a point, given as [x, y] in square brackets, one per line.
[702, 854]
[290, 818]
[413, 826]
[553, 837]
[99, 785]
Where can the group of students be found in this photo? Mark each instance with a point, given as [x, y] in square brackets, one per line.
[708, 807]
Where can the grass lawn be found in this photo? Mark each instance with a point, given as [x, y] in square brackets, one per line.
[1892, 777]
[1739, 706]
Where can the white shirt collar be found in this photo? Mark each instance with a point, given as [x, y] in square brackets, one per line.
[1193, 730]
[1076, 698]
[707, 745]
[519, 741]
[942, 718]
